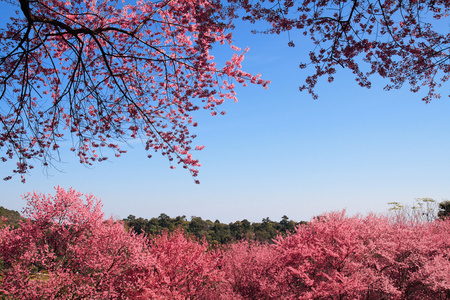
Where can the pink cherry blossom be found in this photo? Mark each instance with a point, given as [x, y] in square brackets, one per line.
[99, 73]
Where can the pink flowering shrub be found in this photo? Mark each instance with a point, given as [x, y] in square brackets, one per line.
[339, 257]
[185, 266]
[66, 250]
[251, 268]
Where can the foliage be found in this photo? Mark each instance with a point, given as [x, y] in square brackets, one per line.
[99, 73]
[214, 232]
[9, 217]
[400, 41]
[444, 209]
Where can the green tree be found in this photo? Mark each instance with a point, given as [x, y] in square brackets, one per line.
[221, 233]
[10, 217]
[444, 209]
[287, 225]
[199, 227]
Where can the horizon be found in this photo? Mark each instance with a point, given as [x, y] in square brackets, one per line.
[277, 151]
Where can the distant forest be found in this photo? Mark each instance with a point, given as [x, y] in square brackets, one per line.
[214, 232]
[217, 233]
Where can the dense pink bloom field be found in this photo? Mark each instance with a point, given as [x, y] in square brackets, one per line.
[66, 250]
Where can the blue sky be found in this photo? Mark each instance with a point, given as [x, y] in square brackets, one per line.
[278, 152]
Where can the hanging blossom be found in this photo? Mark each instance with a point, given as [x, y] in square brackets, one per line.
[99, 73]
[404, 42]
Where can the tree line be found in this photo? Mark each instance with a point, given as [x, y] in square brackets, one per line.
[423, 210]
[214, 232]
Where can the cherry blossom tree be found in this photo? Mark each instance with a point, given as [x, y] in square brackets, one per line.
[89, 76]
[187, 267]
[405, 42]
[94, 74]
[340, 257]
[66, 250]
[254, 271]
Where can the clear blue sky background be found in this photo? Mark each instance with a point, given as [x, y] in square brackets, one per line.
[277, 152]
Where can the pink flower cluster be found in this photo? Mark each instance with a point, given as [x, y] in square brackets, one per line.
[66, 250]
[110, 73]
[400, 42]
